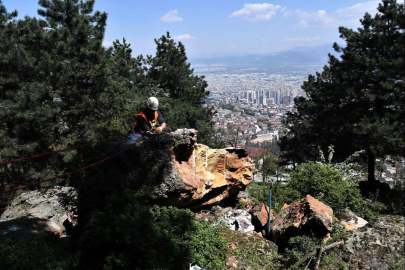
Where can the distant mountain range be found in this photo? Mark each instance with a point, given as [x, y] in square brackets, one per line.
[300, 59]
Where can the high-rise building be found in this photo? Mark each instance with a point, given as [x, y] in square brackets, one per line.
[263, 100]
[276, 96]
[250, 96]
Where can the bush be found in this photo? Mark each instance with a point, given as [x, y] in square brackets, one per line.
[300, 246]
[40, 252]
[328, 185]
[130, 233]
[281, 194]
[322, 182]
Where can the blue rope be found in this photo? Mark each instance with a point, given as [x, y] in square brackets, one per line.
[269, 222]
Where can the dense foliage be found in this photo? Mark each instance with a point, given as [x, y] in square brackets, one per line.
[326, 184]
[128, 232]
[38, 252]
[60, 87]
[357, 102]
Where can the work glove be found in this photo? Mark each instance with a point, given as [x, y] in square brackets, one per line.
[158, 130]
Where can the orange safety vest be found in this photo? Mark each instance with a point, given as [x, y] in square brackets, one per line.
[151, 122]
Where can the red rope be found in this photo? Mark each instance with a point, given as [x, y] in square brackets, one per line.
[66, 174]
[58, 151]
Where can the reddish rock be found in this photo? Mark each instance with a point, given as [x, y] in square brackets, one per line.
[211, 175]
[257, 233]
[260, 214]
[309, 214]
[186, 174]
[233, 245]
[284, 206]
[232, 262]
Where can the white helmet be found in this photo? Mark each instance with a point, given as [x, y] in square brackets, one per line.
[153, 103]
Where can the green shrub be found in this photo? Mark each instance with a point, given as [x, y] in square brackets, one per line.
[39, 252]
[328, 185]
[324, 183]
[281, 194]
[130, 233]
[207, 246]
[299, 246]
[338, 231]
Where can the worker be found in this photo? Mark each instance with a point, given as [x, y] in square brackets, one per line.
[149, 118]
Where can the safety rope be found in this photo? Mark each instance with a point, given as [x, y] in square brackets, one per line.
[67, 174]
[61, 150]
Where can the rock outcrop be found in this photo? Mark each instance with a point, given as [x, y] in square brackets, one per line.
[307, 215]
[55, 209]
[378, 245]
[238, 220]
[182, 173]
[350, 220]
[260, 214]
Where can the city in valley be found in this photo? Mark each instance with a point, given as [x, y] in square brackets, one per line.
[250, 107]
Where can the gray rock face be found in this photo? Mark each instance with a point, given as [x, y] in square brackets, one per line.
[350, 220]
[238, 220]
[57, 205]
[380, 244]
[152, 160]
[243, 195]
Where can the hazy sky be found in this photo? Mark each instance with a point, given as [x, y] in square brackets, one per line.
[209, 27]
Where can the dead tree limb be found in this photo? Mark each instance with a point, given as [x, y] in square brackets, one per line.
[309, 255]
[318, 260]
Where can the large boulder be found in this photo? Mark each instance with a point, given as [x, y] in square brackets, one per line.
[238, 220]
[260, 215]
[378, 245]
[56, 207]
[309, 215]
[182, 173]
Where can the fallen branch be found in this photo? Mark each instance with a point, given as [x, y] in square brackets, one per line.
[318, 260]
[310, 260]
[314, 253]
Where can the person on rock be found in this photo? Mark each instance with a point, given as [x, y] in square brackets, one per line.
[147, 121]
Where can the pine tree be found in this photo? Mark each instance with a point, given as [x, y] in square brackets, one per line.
[80, 72]
[126, 85]
[58, 87]
[357, 102]
[28, 113]
[184, 94]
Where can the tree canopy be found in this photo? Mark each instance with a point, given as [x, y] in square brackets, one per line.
[357, 102]
[60, 87]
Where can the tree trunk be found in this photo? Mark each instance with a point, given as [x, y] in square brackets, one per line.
[371, 167]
